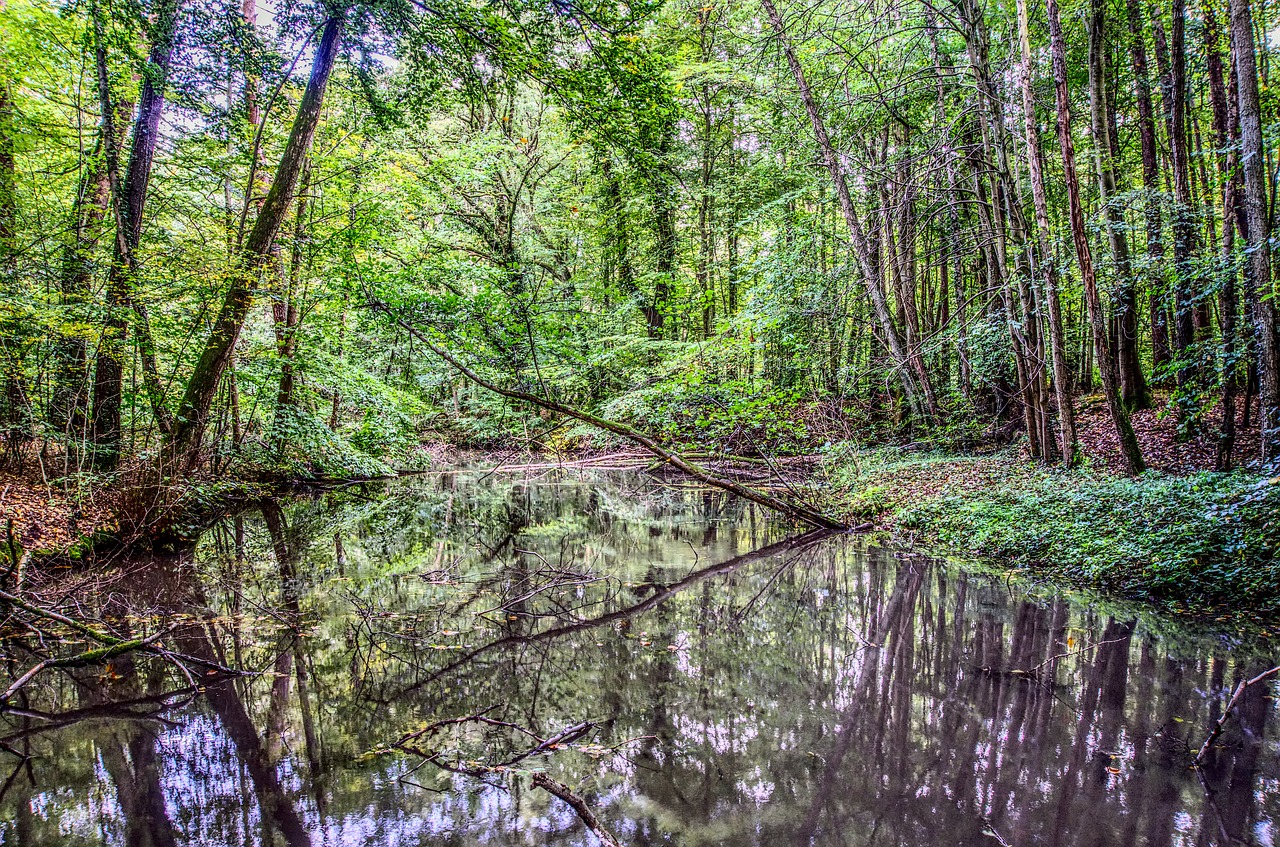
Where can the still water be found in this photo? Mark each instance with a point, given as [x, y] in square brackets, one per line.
[713, 676]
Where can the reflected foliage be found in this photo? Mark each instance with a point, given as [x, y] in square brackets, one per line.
[742, 685]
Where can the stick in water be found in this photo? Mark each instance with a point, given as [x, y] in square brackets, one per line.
[588, 817]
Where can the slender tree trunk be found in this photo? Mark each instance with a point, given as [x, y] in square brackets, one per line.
[1106, 365]
[914, 385]
[1184, 232]
[1133, 384]
[666, 248]
[18, 420]
[1150, 183]
[618, 249]
[1253, 164]
[1225, 119]
[1058, 344]
[285, 314]
[69, 400]
[1007, 226]
[194, 409]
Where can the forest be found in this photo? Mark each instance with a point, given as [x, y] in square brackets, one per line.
[254, 244]
[563, 423]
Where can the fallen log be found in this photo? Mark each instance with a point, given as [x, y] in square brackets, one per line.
[799, 511]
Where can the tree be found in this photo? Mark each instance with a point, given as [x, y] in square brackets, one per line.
[1252, 159]
[252, 259]
[1106, 364]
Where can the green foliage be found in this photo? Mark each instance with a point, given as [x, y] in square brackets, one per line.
[1207, 539]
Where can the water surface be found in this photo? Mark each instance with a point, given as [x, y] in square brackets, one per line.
[725, 679]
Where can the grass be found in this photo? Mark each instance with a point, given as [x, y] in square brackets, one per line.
[1204, 541]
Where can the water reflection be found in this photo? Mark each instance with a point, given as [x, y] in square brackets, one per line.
[742, 687]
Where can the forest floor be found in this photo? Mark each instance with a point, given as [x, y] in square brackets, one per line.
[1183, 537]
[912, 480]
[40, 516]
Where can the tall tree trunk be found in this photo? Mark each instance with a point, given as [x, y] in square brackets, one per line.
[285, 314]
[18, 419]
[1224, 124]
[129, 199]
[1133, 384]
[1150, 185]
[915, 386]
[69, 400]
[661, 181]
[1184, 231]
[1007, 225]
[184, 446]
[1106, 365]
[1048, 274]
[1253, 163]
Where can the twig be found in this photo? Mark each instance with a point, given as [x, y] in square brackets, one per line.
[1226, 713]
[992, 832]
[83, 629]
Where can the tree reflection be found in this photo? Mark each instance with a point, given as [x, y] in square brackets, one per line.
[757, 689]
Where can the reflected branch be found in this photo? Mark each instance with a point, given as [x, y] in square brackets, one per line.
[660, 595]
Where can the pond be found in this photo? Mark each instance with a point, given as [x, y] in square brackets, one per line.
[691, 668]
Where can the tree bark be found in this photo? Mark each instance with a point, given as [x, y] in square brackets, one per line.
[1106, 365]
[1150, 185]
[1184, 233]
[1058, 345]
[193, 412]
[129, 197]
[1133, 384]
[1224, 124]
[285, 314]
[1253, 164]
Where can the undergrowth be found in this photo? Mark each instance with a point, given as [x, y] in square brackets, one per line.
[1204, 541]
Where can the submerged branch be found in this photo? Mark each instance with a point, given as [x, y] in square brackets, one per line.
[111, 647]
[588, 817]
[1226, 713]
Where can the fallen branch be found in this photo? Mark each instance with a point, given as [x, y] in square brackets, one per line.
[1226, 713]
[588, 817]
[568, 735]
[795, 510]
[96, 656]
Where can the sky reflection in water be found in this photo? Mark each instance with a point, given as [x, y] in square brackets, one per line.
[744, 688]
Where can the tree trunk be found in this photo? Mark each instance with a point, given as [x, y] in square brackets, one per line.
[914, 385]
[1049, 277]
[1224, 124]
[1133, 384]
[18, 420]
[1150, 186]
[1184, 233]
[193, 413]
[1106, 365]
[1253, 163]
[285, 314]
[129, 200]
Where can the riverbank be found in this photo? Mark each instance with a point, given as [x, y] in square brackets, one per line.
[1203, 542]
[1180, 536]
